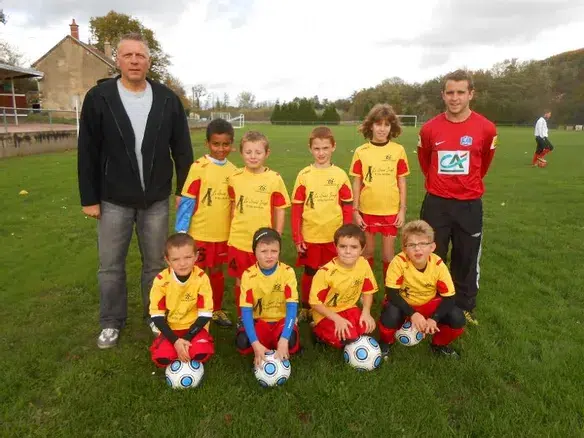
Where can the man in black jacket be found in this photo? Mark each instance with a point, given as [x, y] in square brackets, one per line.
[131, 131]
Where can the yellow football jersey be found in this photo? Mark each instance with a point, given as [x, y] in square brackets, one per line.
[321, 191]
[254, 195]
[268, 294]
[339, 288]
[379, 168]
[416, 287]
[208, 183]
[181, 303]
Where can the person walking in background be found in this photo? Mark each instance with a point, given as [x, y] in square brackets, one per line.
[543, 146]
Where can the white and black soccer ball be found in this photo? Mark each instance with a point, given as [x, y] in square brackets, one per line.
[272, 371]
[408, 335]
[364, 354]
[183, 375]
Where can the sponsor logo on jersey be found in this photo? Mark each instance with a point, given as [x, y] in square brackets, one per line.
[453, 162]
[466, 140]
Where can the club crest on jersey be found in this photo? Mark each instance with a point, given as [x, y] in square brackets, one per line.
[466, 140]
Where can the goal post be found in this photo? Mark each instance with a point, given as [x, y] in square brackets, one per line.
[408, 120]
[237, 121]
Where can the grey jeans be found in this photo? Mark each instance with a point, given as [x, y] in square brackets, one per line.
[114, 231]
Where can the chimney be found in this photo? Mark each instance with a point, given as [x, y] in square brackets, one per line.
[74, 29]
[107, 49]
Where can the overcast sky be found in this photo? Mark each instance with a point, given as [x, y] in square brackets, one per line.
[330, 48]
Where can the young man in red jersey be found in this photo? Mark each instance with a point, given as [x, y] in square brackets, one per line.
[455, 150]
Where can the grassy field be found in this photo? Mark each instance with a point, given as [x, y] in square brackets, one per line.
[520, 374]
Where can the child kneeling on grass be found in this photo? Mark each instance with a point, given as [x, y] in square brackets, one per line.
[419, 286]
[337, 288]
[269, 302]
[181, 306]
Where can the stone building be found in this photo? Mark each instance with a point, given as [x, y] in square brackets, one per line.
[70, 69]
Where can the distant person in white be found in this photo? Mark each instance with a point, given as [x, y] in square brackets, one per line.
[543, 144]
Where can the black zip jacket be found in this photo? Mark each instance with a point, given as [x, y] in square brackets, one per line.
[106, 162]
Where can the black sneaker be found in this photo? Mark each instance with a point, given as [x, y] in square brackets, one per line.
[470, 317]
[239, 324]
[445, 351]
[385, 350]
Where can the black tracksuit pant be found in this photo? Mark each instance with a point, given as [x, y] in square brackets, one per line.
[459, 222]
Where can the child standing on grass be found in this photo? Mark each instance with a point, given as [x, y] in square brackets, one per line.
[419, 286]
[321, 203]
[181, 306]
[258, 198]
[269, 302]
[337, 288]
[379, 168]
[205, 210]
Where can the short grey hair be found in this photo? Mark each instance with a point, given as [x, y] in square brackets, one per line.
[135, 36]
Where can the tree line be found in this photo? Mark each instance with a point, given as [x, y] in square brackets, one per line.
[511, 92]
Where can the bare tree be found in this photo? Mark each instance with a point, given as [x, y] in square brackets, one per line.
[246, 99]
[198, 91]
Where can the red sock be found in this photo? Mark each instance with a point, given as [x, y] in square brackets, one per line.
[237, 291]
[385, 266]
[305, 284]
[535, 157]
[544, 153]
[371, 262]
[217, 286]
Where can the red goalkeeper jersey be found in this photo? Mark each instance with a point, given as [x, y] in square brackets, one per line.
[455, 157]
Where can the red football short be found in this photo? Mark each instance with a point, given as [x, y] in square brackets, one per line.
[211, 254]
[201, 349]
[325, 329]
[238, 261]
[316, 255]
[269, 333]
[380, 224]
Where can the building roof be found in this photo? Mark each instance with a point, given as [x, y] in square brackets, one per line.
[94, 51]
[8, 71]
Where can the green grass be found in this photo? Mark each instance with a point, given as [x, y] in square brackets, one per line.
[521, 372]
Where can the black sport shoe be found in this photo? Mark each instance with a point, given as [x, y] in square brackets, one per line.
[385, 350]
[445, 351]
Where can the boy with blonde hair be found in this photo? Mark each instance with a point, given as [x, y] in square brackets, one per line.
[419, 287]
[205, 210]
[258, 199]
[181, 306]
[321, 203]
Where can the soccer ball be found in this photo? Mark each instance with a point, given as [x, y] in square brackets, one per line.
[183, 375]
[364, 354]
[272, 371]
[408, 335]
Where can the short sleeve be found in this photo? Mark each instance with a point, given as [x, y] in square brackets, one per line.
[246, 295]
[193, 182]
[403, 168]
[444, 284]
[158, 297]
[204, 296]
[280, 197]
[320, 288]
[369, 283]
[291, 287]
[356, 168]
[394, 277]
[345, 192]
[299, 192]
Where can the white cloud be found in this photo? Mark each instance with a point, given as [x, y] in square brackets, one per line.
[287, 48]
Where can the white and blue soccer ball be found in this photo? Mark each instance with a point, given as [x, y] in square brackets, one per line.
[408, 335]
[272, 371]
[183, 375]
[364, 354]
